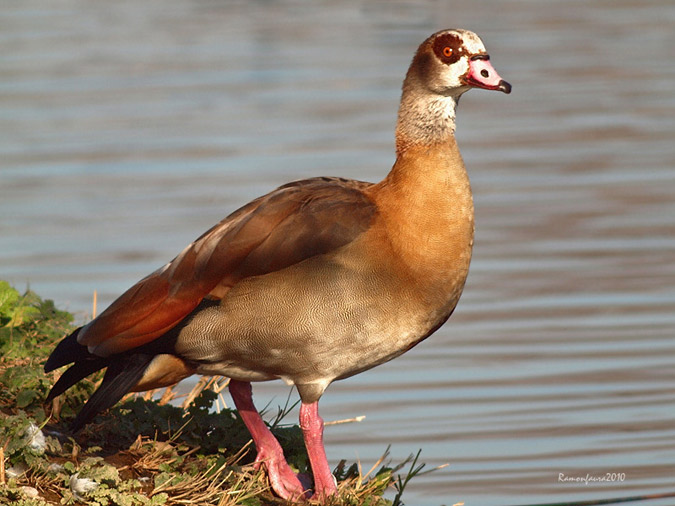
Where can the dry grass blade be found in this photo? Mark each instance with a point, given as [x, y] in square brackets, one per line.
[347, 420]
[94, 304]
[217, 485]
[216, 383]
[2, 466]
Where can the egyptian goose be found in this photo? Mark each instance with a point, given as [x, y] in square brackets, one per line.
[314, 282]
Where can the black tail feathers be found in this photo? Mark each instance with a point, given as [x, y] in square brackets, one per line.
[74, 374]
[123, 372]
[67, 352]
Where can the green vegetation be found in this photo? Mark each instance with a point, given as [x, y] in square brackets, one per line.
[142, 452]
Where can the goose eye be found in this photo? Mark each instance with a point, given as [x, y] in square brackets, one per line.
[447, 51]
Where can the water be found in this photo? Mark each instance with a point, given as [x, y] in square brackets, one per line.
[127, 129]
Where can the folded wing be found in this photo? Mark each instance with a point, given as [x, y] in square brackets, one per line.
[295, 222]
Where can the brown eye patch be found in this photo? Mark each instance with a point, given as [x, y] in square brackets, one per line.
[448, 48]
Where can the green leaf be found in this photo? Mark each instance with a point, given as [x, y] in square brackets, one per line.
[25, 398]
[159, 499]
[8, 298]
[22, 314]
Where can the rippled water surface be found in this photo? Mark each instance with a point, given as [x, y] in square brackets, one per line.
[128, 128]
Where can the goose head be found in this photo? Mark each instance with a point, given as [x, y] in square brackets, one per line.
[451, 62]
[446, 65]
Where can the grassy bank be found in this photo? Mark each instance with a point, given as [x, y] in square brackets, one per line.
[143, 451]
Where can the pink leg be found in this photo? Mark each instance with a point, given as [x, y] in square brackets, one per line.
[283, 480]
[312, 431]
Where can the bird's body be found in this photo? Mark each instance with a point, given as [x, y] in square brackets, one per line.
[353, 311]
[316, 281]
